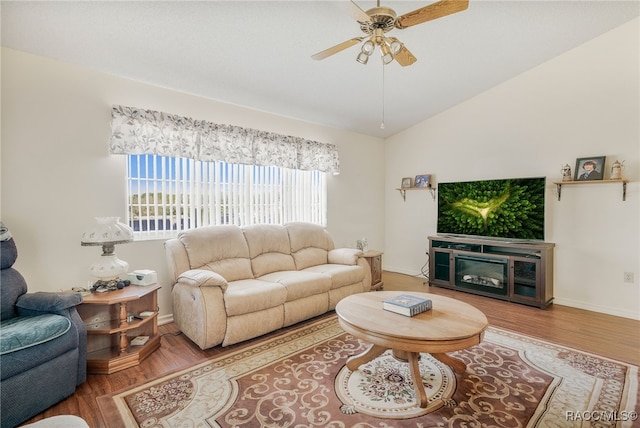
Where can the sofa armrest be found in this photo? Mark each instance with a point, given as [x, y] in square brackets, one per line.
[202, 278]
[177, 258]
[345, 256]
[44, 302]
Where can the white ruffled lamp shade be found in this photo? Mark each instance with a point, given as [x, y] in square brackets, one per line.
[108, 231]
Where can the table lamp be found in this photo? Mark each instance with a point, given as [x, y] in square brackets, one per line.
[108, 231]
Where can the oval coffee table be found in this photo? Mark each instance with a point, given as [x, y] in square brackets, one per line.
[451, 325]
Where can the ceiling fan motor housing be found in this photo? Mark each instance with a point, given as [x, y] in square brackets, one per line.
[382, 18]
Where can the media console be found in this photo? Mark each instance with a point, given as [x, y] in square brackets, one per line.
[513, 271]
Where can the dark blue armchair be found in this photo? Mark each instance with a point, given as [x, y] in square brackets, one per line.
[43, 351]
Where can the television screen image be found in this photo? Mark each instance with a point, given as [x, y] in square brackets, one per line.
[501, 208]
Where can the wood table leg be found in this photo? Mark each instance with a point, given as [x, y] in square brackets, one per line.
[457, 365]
[369, 354]
[124, 342]
[418, 387]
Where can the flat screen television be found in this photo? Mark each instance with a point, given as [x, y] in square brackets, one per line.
[510, 209]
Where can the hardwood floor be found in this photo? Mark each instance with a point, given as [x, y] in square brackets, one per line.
[606, 335]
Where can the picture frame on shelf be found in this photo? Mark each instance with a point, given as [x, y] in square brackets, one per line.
[406, 183]
[589, 169]
[423, 180]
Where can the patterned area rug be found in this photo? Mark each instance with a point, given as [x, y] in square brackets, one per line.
[384, 388]
[299, 379]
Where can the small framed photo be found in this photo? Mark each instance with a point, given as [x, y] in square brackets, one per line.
[406, 182]
[422, 181]
[589, 168]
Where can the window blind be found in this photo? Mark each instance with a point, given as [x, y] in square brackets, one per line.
[168, 194]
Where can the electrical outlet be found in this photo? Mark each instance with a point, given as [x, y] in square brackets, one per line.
[628, 277]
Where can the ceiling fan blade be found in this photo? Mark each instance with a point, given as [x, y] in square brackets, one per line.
[337, 48]
[404, 57]
[430, 12]
[356, 11]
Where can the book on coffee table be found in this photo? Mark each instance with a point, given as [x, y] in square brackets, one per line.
[406, 304]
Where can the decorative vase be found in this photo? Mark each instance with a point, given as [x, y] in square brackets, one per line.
[616, 170]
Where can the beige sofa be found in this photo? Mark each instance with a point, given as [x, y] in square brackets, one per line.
[231, 284]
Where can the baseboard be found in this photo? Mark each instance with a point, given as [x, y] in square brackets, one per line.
[165, 319]
[404, 271]
[596, 308]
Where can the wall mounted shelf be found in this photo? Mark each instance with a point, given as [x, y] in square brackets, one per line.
[403, 191]
[559, 185]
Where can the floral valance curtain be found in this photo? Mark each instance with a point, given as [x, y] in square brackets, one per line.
[137, 131]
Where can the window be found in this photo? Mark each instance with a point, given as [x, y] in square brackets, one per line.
[167, 195]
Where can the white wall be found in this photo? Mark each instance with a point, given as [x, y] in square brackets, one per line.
[582, 103]
[57, 174]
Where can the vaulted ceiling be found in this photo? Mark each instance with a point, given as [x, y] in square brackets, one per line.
[258, 53]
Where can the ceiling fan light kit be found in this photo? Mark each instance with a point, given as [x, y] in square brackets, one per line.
[379, 20]
[387, 56]
[363, 57]
[395, 45]
[368, 47]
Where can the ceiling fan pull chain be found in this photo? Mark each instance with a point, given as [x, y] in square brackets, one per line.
[382, 123]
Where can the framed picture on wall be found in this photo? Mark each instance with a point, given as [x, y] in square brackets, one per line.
[406, 183]
[423, 180]
[589, 168]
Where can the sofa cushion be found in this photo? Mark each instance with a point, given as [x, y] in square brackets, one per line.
[310, 244]
[340, 275]
[269, 248]
[309, 257]
[253, 324]
[305, 308]
[252, 295]
[300, 284]
[221, 249]
[19, 362]
[24, 332]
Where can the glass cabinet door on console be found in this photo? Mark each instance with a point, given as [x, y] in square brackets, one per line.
[442, 266]
[524, 276]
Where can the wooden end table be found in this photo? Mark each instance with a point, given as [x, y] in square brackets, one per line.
[451, 325]
[374, 258]
[109, 331]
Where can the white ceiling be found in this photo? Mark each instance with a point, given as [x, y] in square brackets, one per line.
[257, 53]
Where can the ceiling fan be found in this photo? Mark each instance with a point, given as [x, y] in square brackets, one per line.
[376, 22]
